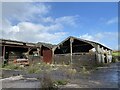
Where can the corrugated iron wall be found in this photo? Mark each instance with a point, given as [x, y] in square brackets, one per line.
[47, 56]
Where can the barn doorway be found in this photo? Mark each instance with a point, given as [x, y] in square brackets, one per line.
[47, 54]
[105, 59]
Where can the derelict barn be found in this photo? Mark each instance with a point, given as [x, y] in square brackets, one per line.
[80, 52]
[11, 49]
[34, 52]
[71, 50]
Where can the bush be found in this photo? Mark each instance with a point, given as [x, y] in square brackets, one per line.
[84, 70]
[47, 83]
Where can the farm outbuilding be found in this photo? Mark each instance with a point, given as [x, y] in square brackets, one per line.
[79, 51]
[69, 51]
[35, 52]
[11, 49]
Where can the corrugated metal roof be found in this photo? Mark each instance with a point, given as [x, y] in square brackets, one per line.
[15, 41]
[87, 41]
[39, 44]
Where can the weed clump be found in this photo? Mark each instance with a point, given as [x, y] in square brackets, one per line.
[47, 83]
[60, 82]
[11, 66]
[33, 69]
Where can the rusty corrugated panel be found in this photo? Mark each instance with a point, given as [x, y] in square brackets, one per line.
[47, 56]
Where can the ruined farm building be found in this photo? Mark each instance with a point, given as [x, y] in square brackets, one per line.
[11, 49]
[71, 50]
[35, 52]
[79, 51]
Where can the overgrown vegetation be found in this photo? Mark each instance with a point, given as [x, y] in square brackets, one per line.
[43, 67]
[60, 82]
[12, 66]
[68, 73]
[116, 53]
[49, 84]
[116, 56]
[33, 69]
[84, 70]
[39, 67]
[46, 82]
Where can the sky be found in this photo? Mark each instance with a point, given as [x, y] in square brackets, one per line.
[52, 22]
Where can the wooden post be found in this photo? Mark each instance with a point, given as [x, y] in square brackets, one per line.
[3, 59]
[110, 55]
[53, 61]
[38, 51]
[71, 41]
[106, 55]
[3, 52]
[27, 54]
[98, 53]
[102, 53]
